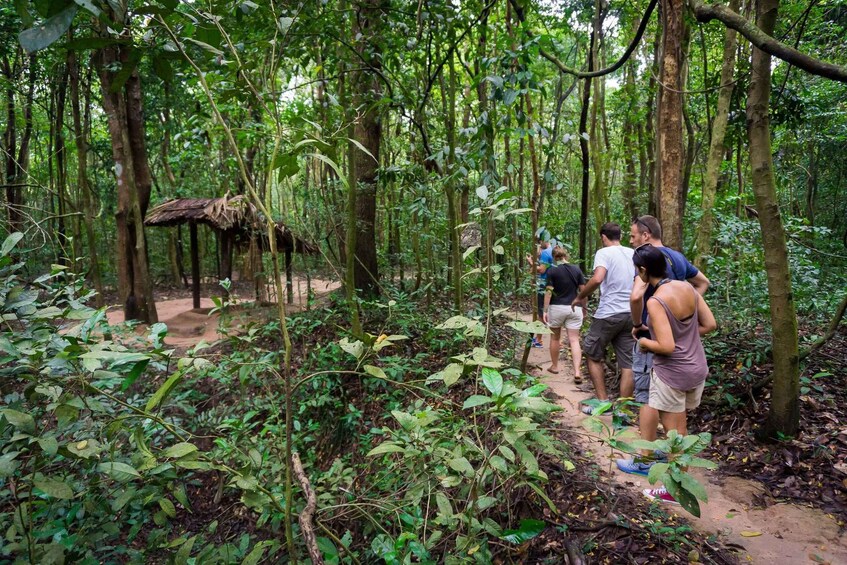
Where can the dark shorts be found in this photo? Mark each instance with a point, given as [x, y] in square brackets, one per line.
[616, 330]
[642, 365]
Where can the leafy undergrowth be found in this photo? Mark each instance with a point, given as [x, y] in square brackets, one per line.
[810, 468]
[344, 417]
[419, 443]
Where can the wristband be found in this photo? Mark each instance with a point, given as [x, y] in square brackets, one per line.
[640, 324]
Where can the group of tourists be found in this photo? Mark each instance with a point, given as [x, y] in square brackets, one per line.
[652, 313]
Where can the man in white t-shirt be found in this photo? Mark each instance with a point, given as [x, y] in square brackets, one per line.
[612, 321]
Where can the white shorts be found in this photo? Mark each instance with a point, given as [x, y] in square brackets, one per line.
[668, 399]
[564, 316]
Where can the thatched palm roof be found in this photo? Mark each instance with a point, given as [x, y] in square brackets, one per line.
[228, 213]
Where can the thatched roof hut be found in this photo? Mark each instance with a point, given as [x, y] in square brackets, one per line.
[235, 220]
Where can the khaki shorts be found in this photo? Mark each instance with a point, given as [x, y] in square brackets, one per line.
[668, 399]
[564, 316]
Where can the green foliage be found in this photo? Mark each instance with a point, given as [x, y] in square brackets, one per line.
[81, 447]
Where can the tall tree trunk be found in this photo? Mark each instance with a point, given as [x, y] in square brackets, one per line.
[650, 126]
[83, 184]
[66, 255]
[123, 109]
[17, 169]
[366, 88]
[784, 415]
[630, 141]
[586, 163]
[670, 146]
[717, 150]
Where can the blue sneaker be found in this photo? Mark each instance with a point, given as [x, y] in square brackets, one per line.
[634, 467]
[536, 343]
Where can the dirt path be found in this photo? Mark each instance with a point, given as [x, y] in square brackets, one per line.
[780, 534]
[188, 326]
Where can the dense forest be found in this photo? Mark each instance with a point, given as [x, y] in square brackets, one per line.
[268, 274]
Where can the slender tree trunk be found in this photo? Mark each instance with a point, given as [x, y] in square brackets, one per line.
[717, 149]
[586, 163]
[367, 26]
[784, 415]
[66, 255]
[123, 110]
[650, 125]
[83, 184]
[670, 146]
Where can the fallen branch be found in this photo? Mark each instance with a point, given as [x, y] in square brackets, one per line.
[305, 519]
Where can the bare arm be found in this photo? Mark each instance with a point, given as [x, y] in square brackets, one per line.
[548, 294]
[700, 283]
[664, 343]
[589, 287]
[636, 300]
[705, 318]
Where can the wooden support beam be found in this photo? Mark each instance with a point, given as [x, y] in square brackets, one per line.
[195, 266]
[289, 284]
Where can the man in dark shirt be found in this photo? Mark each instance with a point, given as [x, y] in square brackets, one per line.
[564, 282]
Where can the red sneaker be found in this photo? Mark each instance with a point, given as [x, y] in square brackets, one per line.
[661, 494]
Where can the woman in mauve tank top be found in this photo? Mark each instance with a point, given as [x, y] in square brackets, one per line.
[677, 317]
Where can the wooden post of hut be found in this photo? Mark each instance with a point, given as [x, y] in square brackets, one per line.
[195, 266]
[289, 283]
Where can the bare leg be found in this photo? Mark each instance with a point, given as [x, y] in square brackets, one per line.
[595, 368]
[555, 347]
[576, 352]
[674, 421]
[627, 383]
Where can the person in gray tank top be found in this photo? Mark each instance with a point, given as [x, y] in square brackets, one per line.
[677, 318]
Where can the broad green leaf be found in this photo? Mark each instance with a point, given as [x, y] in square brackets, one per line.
[163, 391]
[354, 348]
[485, 502]
[527, 530]
[258, 551]
[455, 323]
[452, 373]
[284, 24]
[385, 447]
[48, 31]
[507, 453]
[498, 249]
[10, 242]
[693, 486]
[685, 498]
[85, 448]
[445, 509]
[8, 463]
[493, 381]
[406, 420]
[535, 390]
[700, 462]
[48, 444]
[184, 552]
[461, 465]
[179, 450]
[119, 471]
[19, 420]
[476, 400]
[205, 46]
[498, 463]
[482, 192]
[167, 507]
[656, 472]
[376, 372]
[54, 488]
[469, 251]
[529, 327]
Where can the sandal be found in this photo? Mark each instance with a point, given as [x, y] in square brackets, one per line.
[577, 380]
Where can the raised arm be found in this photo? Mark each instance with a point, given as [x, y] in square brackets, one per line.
[663, 342]
[705, 318]
[700, 283]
